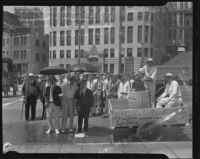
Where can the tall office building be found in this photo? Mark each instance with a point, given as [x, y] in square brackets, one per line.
[114, 34]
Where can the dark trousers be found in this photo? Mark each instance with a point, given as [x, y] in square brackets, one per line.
[43, 109]
[31, 102]
[83, 115]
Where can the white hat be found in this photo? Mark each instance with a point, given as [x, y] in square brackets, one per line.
[150, 60]
[30, 74]
[169, 75]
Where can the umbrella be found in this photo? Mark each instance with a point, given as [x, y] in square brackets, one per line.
[83, 67]
[53, 70]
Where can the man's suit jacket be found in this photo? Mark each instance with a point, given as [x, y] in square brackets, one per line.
[42, 90]
[84, 102]
[56, 97]
[30, 89]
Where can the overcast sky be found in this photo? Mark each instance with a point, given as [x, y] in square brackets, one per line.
[45, 12]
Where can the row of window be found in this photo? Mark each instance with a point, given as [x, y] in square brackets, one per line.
[178, 19]
[5, 41]
[176, 34]
[20, 54]
[67, 54]
[94, 16]
[37, 57]
[37, 43]
[105, 68]
[20, 41]
[148, 33]
[6, 52]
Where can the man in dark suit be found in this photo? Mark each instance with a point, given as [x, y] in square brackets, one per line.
[84, 98]
[53, 103]
[29, 95]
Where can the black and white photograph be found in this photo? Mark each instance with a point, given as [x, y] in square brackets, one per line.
[98, 79]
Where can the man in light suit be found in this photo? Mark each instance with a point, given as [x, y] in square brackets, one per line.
[53, 104]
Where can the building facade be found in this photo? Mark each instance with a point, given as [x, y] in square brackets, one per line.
[25, 46]
[180, 26]
[117, 33]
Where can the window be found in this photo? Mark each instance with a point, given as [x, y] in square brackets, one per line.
[139, 16]
[123, 13]
[130, 16]
[76, 53]
[22, 40]
[151, 53]
[146, 16]
[181, 36]
[62, 65]
[3, 42]
[139, 34]
[170, 36]
[90, 42]
[181, 5]
[77, 15]
[123, 35]
[62, 16]
[54, 16]
[54, 54]
[106, 35]
[130, 34]
[112, 53]
[17, 41]
[49, 54]
[112, 14]
[122, 52]
[14, 54]
[7, 40]
[97, 36]
[152, 17]
[181, 19]
[186, 5]
[129, 52]
[62, 38]
[68, 54]
[43, 57]
[43, 44]
[50, 39]
[106, 14]
[91, 14]
[82, 15]
[146, 36]
[69, 16]
[68, 37]
[82, 36]
[174, 35]
[152, 33]
[54, 38]
[67, 66]
[17, 54]
[7, 52]
[37, 57]
[76, 37]
[25, 40]
[146, 52]
[37, 43]
[105, 68]
[174, 19]
[111, 68]
[50, 17]
[112, 35]
[105, 53]
[81, 53]
[139, 52]
[22, 54]
[98, 15]
[61, 54]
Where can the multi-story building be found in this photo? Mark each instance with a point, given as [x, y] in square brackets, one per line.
[25, 46]
[143, 32]
[180, 27]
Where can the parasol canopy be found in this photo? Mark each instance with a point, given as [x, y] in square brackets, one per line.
[53, 70]
[83, 67]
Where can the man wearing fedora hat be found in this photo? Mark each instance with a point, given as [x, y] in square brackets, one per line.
[53, 103]
[172, 94]
[149, 71]
[29, 95]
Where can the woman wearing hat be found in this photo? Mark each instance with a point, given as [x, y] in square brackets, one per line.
[150, 71]
[172, 94]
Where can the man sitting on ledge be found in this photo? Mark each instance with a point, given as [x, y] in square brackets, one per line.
[172, 95]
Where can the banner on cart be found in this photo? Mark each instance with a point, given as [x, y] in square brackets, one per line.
[137, 116]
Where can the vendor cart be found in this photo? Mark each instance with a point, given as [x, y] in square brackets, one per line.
[148, 121]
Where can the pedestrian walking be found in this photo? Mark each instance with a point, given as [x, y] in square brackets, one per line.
[68, 104]
[150, 71]
[84, 98]
[53, 104]
[29, 95]
[172, 95]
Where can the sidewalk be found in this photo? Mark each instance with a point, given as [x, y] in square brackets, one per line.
[171, 149]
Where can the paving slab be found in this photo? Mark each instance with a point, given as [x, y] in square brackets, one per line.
[134, 148]
[93, 148]
[113, 148]
[72, 148]
[49, 149]
[159, 148]
[27, 149]
[181, 149]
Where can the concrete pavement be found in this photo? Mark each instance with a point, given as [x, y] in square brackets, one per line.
[170, 149]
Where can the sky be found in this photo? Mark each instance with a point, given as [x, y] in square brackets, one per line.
[45, 10]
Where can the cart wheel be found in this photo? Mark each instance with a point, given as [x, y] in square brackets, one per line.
[149, 132]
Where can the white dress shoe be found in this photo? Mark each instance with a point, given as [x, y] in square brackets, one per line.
[57, 131]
